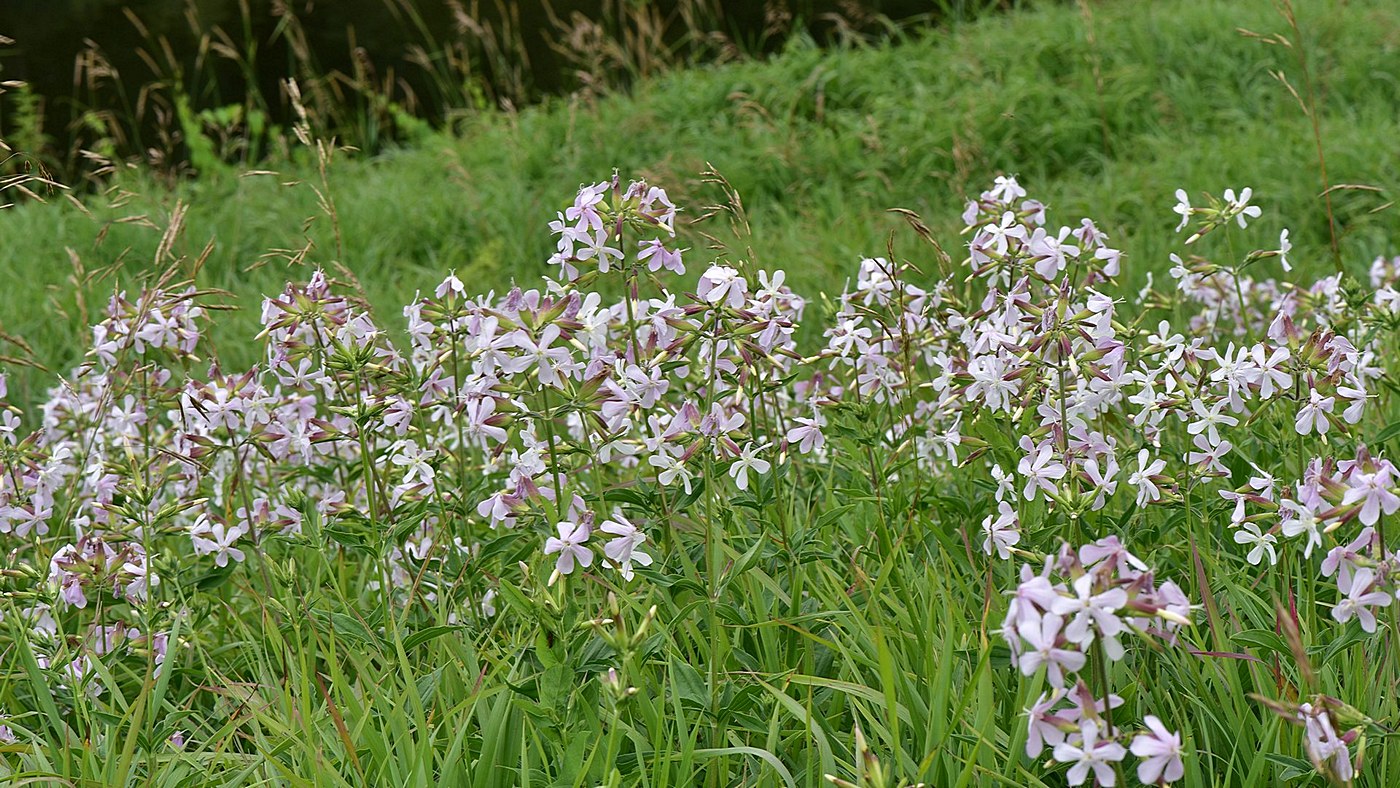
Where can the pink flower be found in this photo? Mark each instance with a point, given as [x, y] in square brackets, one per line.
[625, 550]
[1043, 725]
[1343, 558]
[655, 254]
[1372, 490]
[216, 538]
[1113, 555]
[480, 421]
[1207, 456]
[1105, 481]
[569, 546]
[500, 508]
[1324, 745]
[722, 284]
[1043, 636]
[1160, 750]
[994, 237]
[451, 285]
[808, 434]
[1313, 415]
[549, 361]
[1005, 190]
[1049, 252]
[1089, 754]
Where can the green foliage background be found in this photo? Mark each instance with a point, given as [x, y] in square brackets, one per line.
[818, 143]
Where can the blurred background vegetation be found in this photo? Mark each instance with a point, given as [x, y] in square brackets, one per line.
[194, 85]
[441, 135]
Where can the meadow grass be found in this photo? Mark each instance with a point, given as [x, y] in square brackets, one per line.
[818, 144]
[875, 609]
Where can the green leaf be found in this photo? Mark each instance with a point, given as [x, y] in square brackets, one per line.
[629, 495]
[697, 489]
[1262, 639]
[501, 546]
[1390, 430]
[347, 627]
[764, 755]
[747, 560]
[689, 686]
[215, 578]
[1290, 768]
[1354, 634]
[430, 633]
[556, 683]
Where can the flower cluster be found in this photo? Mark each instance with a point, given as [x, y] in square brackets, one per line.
[91, 564]
[591, 230]
[1331, 729]
[1075, 725]
[560, 438]
[1099, 593]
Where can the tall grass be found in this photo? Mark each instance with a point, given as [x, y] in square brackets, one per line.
[203, 93]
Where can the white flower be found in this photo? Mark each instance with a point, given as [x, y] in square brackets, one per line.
[1269, 373]
[1147, 491]
[415, 463]
[1002, 532]
[1300, 519]
[1041, 470]
[1183, 207]
[1263, 543]
[748, 459]
[1240, 208]
[671, 469]
[1209, 420]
